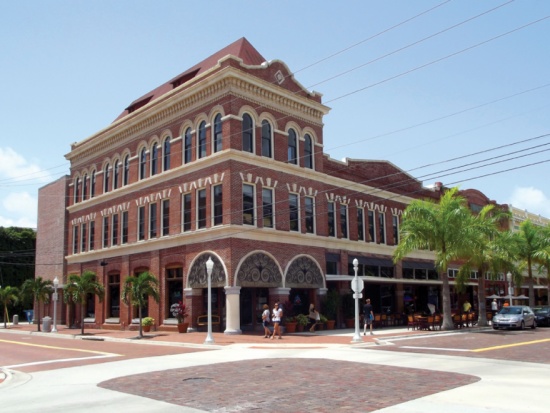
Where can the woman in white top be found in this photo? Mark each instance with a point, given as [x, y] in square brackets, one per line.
[276, 318]
[265, 321]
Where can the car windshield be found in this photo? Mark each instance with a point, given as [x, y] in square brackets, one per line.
[510, 310]
[541, 311]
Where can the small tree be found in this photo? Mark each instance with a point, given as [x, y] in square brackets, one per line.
[79, 287]
[8, 296]
[39, 290]
[137, 290]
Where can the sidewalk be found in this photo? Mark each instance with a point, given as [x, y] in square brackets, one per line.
[196, 338]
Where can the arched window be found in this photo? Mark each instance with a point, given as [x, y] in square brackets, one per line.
[142, 163]
[106, 179]
[308, 152]
[266, 139]
[166, 155]
[116, 174]
[92, 185]
[126, 173]
[154, 159]
[218, 133]
[188, 153]
[202, 140]
[76, 197]
[248, 133]
[292, 147]
[84, 187]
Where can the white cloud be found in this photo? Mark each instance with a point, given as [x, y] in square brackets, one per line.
[21, 208]
[532, 200]
[16, 167]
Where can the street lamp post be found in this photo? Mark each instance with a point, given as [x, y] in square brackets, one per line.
[357, 287]
[55, 285]
[509, 278]
[209, 267]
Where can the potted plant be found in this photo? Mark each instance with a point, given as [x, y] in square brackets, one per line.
[349, 310]
[301, 321]
[289, 317]
[179, 310]
[146, 323]
[330, 306]
[326, 322]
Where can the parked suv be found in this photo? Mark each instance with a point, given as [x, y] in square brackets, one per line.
[542, 315]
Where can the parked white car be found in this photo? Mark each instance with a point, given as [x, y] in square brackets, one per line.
[516, 316]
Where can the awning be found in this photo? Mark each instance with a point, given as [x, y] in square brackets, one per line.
[420, 265]
[377, 262]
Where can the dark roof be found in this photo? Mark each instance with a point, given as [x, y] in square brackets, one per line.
[241, 49]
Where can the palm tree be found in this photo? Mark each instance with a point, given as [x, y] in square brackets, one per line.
[492, 253]
[79, 287]
[530, 243]
[446, 227]
[39, 290]
[8, 296]
[137, 290]
[543, 257]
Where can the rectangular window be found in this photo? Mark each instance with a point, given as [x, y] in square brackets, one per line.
[114, 296]
[331, 220]
[165, 217]
[152, 220]
[382, 228]
[186, 212]
[370, 216]
[105, 232]
[395, 229]
[114, 239]
[217, 196]
[294, 212]
[344, 220]
[75, 239]
[310, 214]
[83, 239]
[267, 210]
[125, 227]
[92, 235]
[201, 208]
[360, 225]
[248, 205]
[141, 223]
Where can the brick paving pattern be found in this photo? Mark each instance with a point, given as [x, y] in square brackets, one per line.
[288, 385]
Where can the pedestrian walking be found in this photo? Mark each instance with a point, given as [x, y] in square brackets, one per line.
[368, 317]
[266, 321]
[313, 318]
[277, 317]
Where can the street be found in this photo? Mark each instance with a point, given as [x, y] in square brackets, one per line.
[479, 370]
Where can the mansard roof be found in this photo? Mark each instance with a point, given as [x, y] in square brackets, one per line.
[241, 49]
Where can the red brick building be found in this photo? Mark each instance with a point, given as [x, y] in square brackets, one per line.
[226, 161]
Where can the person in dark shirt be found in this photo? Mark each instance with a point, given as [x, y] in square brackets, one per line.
[368, 316]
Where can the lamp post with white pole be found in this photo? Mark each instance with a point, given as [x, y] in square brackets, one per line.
[357, 285]
[509, 278]
[209, 267]
[55, 285]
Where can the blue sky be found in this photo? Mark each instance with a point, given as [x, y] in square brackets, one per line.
[414, 82]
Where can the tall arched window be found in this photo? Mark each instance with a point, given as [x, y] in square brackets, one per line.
[201, 143]
[142, 163]
[248, 133]
[106, 179]
[266, 139]
[187, 152]
[154, 159]
[84, 187]
[92, 185]
[292, 147]
[218, 133]
[126, 173]
[166, 154]
[76, 197]
[308, 152]
[116, 173]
